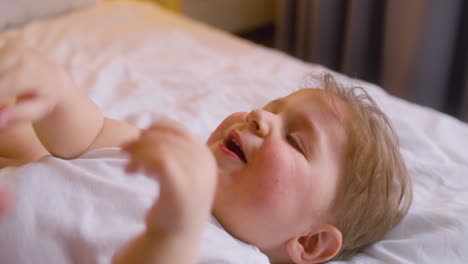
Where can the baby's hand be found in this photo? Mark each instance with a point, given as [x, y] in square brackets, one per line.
[186, 170]
[29, 83]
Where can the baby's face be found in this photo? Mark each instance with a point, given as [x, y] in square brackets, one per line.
[279, 167]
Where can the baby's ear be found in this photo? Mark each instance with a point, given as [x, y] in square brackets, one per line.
[317, 246]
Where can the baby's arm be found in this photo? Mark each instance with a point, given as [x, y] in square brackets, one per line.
[186, 170]
[34, 89]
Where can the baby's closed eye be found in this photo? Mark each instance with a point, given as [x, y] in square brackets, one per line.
[292, 140]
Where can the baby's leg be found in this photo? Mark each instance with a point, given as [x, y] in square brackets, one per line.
[19, 145]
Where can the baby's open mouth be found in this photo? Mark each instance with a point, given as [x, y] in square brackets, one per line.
[233, 146]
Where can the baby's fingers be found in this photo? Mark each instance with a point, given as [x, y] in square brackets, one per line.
[4, 116]
[139, 157]
[132, 166]
[129, 146]
[11, 52]
[16, 82]
[25, 111]
[169, 126]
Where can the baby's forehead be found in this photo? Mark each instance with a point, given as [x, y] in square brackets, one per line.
[313, 92]
[310, 94]
[326, 99]
[333, 107]
[295, 95]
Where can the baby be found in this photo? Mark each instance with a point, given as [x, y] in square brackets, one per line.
[310, 177]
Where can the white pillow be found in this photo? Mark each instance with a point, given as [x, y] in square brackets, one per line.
[16, 12]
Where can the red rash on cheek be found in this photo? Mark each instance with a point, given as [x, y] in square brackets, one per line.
[272, 173]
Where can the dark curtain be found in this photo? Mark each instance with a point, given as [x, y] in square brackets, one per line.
[414, 49]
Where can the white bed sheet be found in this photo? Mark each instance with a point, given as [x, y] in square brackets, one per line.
[141, 63]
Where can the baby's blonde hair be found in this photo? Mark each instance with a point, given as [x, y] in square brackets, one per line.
[375, 192]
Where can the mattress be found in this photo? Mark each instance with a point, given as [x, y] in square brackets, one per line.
[141, 63]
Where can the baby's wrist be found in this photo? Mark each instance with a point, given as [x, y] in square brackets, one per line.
[181, 236]
[191, 227]
[64, 92]
[188, 230]
[66, 88]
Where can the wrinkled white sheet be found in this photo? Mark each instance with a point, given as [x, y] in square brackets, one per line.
[140, 63]
[84, 210]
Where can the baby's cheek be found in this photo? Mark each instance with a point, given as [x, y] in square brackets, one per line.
[275, 184]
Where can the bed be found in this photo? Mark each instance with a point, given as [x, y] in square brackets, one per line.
[140, 63]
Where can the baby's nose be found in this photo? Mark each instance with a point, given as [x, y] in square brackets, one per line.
[260, 122]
